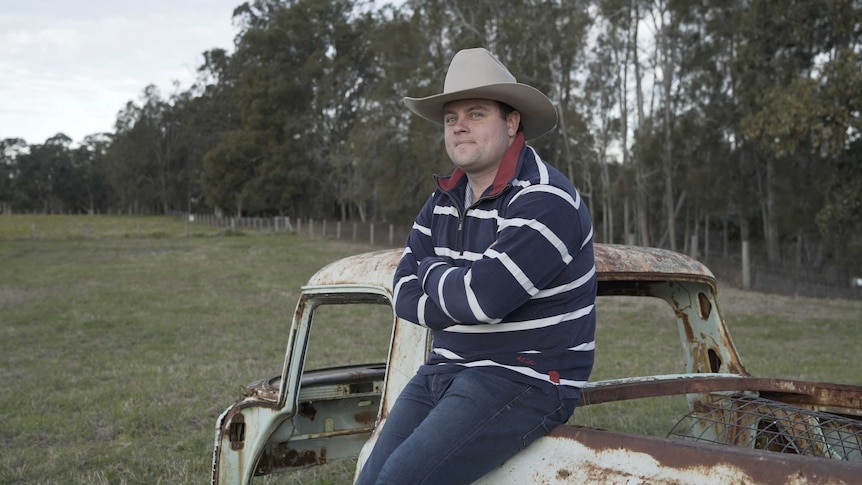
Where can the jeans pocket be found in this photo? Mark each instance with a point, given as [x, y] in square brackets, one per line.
[549, 422]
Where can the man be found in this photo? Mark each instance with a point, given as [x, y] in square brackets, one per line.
[499, 264]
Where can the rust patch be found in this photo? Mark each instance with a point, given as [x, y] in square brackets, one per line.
[366, 417]
[756, 466]
[844, 396]
[563, 474]
[613, 262]
[283, 456]
[686, 325]
[620, 260]
[308, 411]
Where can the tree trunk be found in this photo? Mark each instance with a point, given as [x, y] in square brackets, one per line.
[706, 238]
[773, 248]
[667, 53]
[746, 257]
[641, 189]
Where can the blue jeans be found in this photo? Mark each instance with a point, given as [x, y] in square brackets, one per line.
[455, 428]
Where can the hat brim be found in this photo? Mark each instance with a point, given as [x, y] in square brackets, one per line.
[538, 115]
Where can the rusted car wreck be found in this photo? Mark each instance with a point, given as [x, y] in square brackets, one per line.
[738, 428]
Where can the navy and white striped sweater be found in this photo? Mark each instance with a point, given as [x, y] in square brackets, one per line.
[509, 283]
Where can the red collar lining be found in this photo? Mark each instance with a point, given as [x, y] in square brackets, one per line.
[505, 173]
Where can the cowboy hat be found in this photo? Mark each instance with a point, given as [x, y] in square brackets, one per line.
[476, 73]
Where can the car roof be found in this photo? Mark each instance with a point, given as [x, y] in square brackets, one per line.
[615, 264]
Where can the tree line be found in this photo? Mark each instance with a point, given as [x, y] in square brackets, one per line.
[683, 123]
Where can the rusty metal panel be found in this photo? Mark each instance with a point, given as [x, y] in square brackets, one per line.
[375, 268]
[706, 343]
[613, 262]
[823, 396]
[571, 454]
[616, 261]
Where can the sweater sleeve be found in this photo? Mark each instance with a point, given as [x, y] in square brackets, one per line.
[541, 233]
[411, 302]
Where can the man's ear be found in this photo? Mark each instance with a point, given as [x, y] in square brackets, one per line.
[513, 121]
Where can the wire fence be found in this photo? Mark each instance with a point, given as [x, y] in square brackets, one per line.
[370, 233]
[814, 283]
[827, 282]
[791, 280]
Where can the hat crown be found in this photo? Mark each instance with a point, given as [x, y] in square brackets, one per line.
[474, 68]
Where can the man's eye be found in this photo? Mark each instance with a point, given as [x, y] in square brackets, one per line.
[449, 120]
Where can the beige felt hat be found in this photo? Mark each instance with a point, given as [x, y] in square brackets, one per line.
[476, 73]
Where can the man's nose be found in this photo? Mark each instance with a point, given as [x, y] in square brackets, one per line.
[460, 126]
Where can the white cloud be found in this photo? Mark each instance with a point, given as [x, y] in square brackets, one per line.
[70, 66]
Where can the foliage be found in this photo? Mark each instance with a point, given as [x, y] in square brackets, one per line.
[676, 117]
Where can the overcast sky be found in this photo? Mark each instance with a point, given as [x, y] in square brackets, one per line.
[68, 66]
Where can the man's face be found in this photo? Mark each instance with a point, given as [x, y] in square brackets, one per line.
[477, 135]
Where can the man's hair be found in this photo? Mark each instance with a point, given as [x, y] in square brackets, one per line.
[506, 110]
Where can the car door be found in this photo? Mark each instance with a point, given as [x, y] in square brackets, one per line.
[324, 405]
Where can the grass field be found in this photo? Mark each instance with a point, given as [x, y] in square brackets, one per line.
[122, 339]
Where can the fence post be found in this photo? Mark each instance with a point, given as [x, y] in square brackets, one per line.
[323, 230]
[310, 228]
[391, 234]
[371, 228]
[338, 230]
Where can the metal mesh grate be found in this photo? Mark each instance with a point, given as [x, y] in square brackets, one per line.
[762, 424]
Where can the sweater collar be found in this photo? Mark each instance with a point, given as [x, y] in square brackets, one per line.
[505, 174]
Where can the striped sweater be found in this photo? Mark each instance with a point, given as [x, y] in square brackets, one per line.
[507, 284]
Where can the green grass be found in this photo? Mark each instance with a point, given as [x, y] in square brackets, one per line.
[120, 348]
[118, 353]
[59, 227]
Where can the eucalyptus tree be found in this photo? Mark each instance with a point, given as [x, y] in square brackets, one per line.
[91, 192]
[130, 164]
[163, 140]
[300, 76]
[621, 21]
[10, 150]
[707, 123]
[343, 76]
[393, 152]
[270, 98]
[600, 103]
[43, 176]
[839, 131]
[203, 114]
[810, 125]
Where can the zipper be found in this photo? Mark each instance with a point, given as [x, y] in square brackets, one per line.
[462, 214]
